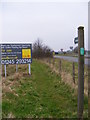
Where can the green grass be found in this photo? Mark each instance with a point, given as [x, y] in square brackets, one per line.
[41, 95]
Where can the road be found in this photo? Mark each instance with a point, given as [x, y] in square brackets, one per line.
[73, 59]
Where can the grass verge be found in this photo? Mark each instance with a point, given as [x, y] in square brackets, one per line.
[41, 95]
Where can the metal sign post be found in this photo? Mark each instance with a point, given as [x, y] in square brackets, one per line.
[5, 70]
[29, 69]
[80, 71]
[16, 67]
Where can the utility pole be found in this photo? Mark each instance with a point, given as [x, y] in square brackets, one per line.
[80, 72]
[88, 60]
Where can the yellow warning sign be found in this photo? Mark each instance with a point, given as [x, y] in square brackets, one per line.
[26, 53]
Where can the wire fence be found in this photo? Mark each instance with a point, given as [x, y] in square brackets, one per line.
[68, 71]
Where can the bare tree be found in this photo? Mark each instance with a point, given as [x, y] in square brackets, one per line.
[76, 49]
[40, 50]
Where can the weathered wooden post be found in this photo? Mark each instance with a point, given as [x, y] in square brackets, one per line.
[88, 89]
[88, 60]
[53, 61]
[73, 66]
[49, 60]
[80, 71]
[60, 67]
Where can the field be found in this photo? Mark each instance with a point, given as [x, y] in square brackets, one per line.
[42, 95]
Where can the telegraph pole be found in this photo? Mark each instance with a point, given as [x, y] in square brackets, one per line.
[88, 60]
[80, 71]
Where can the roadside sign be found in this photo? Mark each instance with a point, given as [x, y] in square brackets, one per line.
[76, 40]
[16, 53]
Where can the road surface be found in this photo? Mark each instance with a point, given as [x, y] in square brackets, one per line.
[73, 59]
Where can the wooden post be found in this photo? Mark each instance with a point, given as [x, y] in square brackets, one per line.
[88, 60]
[73, 72]
[88, 89]
[80, 72]
[49, 60]
[53, 61]
[60, 67]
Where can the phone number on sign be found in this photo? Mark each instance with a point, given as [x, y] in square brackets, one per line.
[16, 61]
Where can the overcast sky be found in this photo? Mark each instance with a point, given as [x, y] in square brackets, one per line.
[55, 23]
